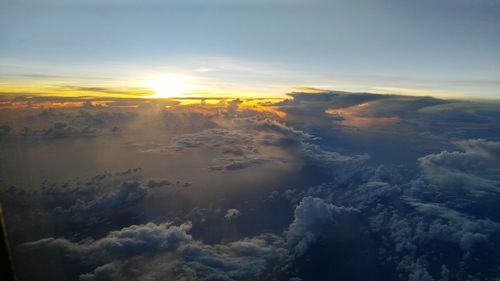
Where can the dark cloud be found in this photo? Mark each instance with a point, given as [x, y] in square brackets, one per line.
[127, 194]
[335, 99]
[63, 130]
[231, 164]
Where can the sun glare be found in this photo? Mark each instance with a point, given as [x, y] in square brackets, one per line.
[169, 86]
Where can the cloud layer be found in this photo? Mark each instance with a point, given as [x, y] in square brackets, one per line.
[324, 186]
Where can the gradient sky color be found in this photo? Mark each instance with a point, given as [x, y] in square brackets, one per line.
[264, 48]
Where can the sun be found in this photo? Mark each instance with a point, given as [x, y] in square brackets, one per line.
[169, 86]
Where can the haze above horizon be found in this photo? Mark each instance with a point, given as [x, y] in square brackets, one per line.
[250, 48]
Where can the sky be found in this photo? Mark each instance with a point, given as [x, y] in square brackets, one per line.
[251, 140]
[258, 48]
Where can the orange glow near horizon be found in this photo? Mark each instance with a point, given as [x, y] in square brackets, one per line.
[39, 95]
[165, 86]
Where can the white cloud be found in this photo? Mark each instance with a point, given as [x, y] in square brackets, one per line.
[232, 214]
[310, 218]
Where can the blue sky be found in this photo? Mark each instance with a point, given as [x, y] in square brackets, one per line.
[447, 48]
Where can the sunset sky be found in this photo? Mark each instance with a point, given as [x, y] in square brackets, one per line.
[243, 140]
[249, 48]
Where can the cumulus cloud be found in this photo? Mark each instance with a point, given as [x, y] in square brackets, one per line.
[456, 226]
[232, 214]
[246, 259]
[241, 260]
[310, 217]
[481, 147]
[156, 251]
[475, 169]
[120, 244]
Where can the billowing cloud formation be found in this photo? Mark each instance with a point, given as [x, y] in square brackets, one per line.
[246, 259]
[475, 170]
[488, 149]
[171, 251]
[129, 241]
[455, 226]
[311, 216]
